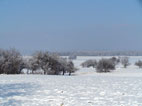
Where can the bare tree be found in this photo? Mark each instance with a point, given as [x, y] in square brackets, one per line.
[39, 60]
[125, 61]
[71, 68]
[10, 61]
[115, 60]
[139, 64]
[63, 65]
[105, 65]
[33, 65]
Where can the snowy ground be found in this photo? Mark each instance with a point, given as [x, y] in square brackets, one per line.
[123, 87]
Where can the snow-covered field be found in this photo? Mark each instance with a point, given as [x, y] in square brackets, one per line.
[122, 87]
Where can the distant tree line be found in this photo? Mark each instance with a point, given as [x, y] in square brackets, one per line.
[12, 62]
[101, 53]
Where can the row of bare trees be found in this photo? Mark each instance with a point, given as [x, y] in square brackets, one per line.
[12, 62]
[106, 65]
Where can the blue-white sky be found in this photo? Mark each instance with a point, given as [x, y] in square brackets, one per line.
[71, 25]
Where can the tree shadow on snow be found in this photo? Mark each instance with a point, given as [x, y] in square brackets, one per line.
[12, 94]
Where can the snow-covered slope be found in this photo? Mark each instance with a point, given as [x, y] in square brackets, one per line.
[122, 87]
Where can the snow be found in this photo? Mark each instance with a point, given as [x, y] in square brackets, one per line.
[122, 87]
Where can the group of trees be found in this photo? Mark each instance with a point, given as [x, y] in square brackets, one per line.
[51, 64]
[106, 65]
[12, 62]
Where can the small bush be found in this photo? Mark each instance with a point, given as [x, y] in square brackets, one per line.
[105, 65]
[89, 63]
[139, 64]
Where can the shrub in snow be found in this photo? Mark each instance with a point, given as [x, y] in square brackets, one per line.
[125, 61]
[105, 65]
[139, 64]
[10, 62]
[89, 63]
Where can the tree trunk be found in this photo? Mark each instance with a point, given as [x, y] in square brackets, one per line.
[44, 72]
[69, 73]
[63, 72]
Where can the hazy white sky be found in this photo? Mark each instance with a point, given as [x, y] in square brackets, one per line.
[70, 25]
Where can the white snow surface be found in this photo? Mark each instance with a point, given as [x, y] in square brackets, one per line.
[121, 87]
